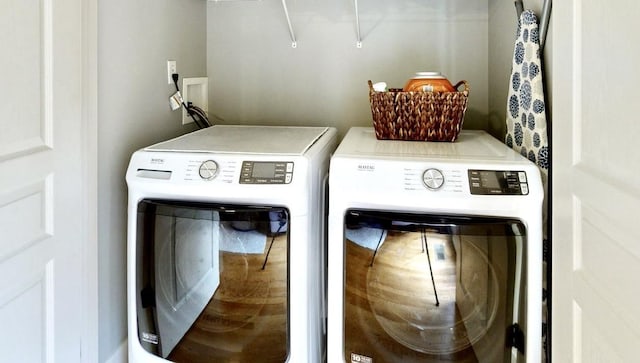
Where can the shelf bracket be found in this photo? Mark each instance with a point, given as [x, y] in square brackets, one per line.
[294, 43]
[358, 37]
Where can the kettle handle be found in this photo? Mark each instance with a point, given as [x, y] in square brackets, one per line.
[466, 86]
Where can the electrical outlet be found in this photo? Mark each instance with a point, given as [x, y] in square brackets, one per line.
[171, 69]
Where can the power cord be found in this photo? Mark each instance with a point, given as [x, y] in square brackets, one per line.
[197, 114]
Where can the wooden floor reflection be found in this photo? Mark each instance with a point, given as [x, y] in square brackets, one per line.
[388, 305]
[246, 320]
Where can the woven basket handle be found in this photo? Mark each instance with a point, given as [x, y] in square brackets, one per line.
[466, 86]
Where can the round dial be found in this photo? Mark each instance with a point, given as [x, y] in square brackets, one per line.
[433, 179]
[208, 170]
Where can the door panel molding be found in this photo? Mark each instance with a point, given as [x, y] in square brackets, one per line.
[39, 137]
[29, 303]
[26, 216]
[595, 254]
[48, 183]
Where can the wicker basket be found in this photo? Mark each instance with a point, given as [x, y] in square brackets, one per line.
[418, 116]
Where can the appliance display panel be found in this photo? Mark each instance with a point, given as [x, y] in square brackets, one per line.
[212, 282]
[498, 182]
[433, 288]
[266, 172]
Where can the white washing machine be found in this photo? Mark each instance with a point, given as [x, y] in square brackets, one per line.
[227, 246]
[435, 251]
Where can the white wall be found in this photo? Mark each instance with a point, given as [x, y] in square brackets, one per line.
[257, 77]
[136, 38]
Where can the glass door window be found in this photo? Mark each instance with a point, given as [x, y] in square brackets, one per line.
[424, 288]
[212, 281]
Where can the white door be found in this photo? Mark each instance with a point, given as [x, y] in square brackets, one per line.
[45, 214]
[596, 181]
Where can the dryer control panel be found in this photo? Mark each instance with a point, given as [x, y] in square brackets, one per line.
[496, 182]
[266, 172]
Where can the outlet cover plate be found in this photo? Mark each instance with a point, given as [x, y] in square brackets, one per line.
[196, 91]
[171, 69]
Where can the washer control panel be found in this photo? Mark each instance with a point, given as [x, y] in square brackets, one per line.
[443, 178]
[266, 172]
[496, 182]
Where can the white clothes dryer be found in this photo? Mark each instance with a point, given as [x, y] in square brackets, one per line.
[435, 251]
[227, 246]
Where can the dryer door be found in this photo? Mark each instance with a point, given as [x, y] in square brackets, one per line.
[205, 275]
[427, 288]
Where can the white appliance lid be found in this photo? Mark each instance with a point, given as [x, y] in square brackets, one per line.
[238, 139]
[470, 145]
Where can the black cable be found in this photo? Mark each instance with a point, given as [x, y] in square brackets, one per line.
[175, 81]
[426, 248]
[197, 114]
[273, 238]
[377, 247]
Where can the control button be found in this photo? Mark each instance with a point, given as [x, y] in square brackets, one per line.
[208, 170]
[433, 179]
[524, 188]
[289, 167]
[522, 176]
[287, 178]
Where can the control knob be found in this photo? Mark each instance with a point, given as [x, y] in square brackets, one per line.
[208, 170]
[433, 179]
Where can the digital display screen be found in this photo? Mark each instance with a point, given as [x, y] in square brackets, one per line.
[490, 179]
[495, 182]
[263, 170]
[266, 172]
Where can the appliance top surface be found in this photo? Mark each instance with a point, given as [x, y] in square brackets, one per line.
[471, 145]
[227, 139]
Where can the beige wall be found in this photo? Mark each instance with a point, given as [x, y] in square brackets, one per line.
[257, 77]
[135, 40]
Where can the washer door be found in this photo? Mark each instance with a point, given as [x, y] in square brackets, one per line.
[212, 281]
[422, 288]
